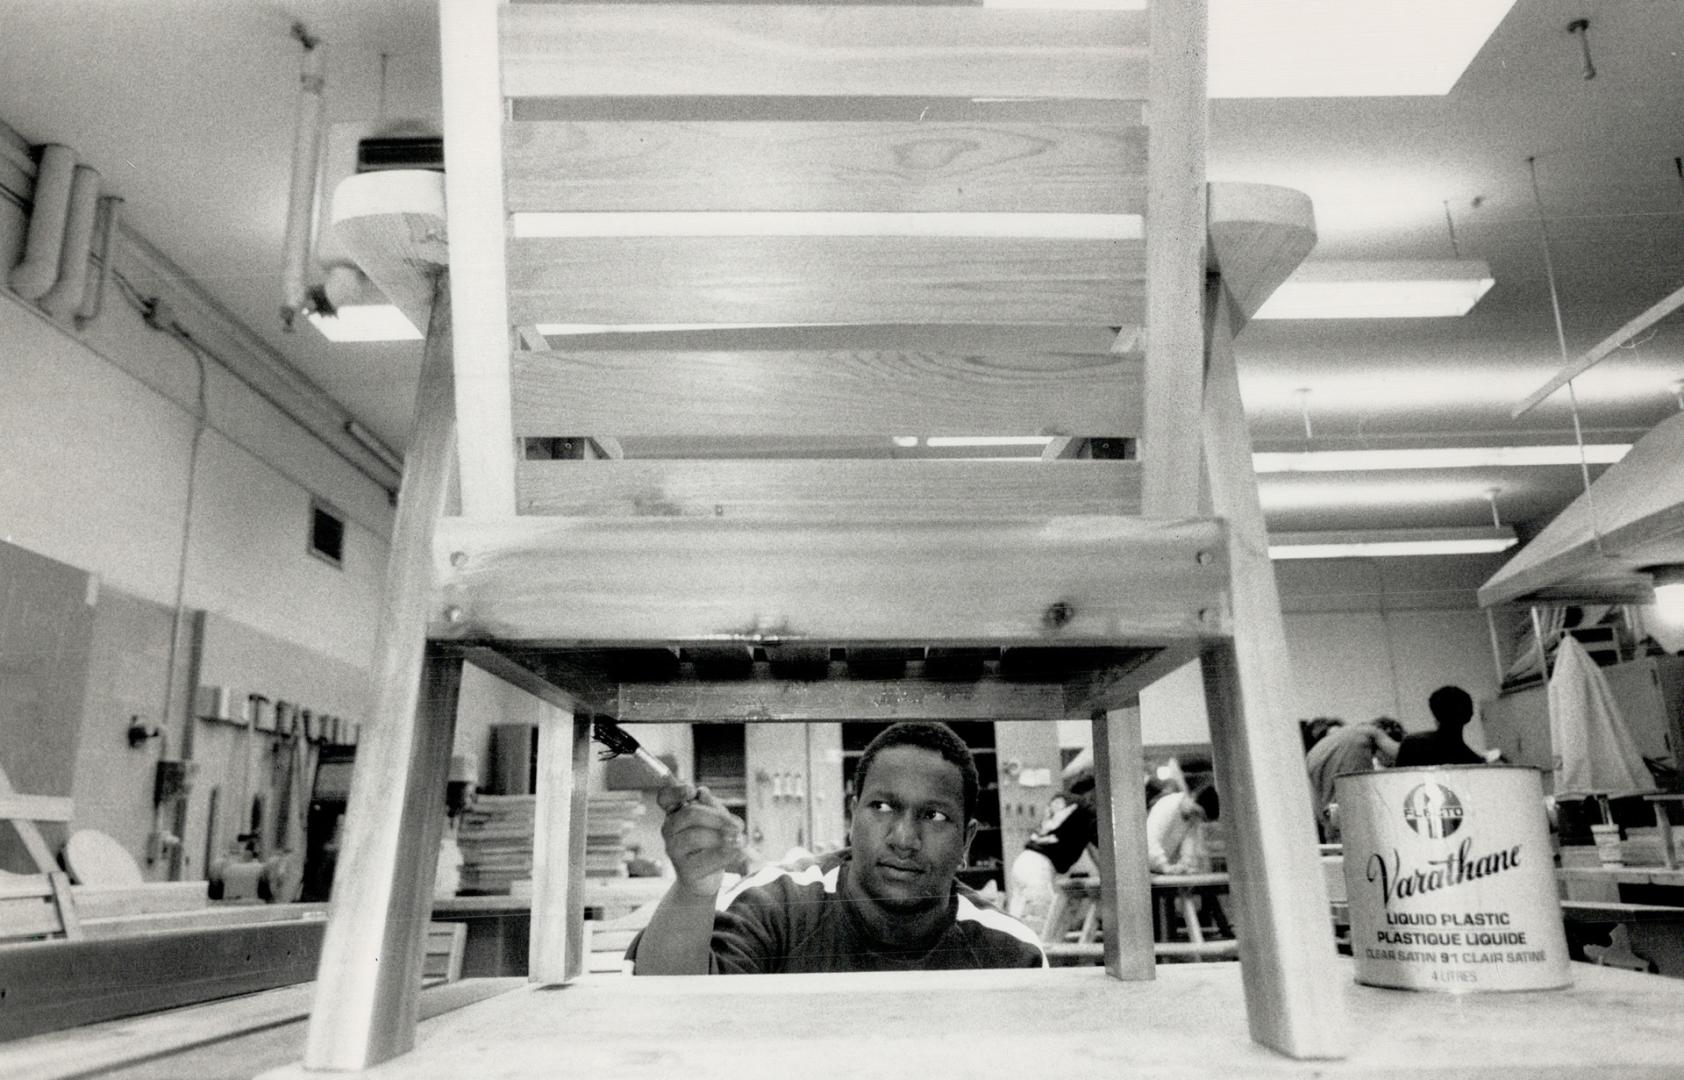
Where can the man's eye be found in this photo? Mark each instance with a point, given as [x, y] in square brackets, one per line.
[938, 815]
[881, 807]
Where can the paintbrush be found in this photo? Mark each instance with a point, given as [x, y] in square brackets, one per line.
[618, 742]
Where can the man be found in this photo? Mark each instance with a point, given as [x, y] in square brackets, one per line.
[1452, 708]
[1174, 841]
[889, 902]
[1344, 750]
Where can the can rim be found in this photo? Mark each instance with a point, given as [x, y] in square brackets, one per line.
[1439, 768]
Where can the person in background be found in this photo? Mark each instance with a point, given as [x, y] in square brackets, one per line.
[1314, 731]
[1357, 748]
[1174, 841]
[1452, 708]
[1065, 833]
[890, 901]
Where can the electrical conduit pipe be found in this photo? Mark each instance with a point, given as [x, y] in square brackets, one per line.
[66, 294]
[306, 161]
[32, 277]
[111, 207]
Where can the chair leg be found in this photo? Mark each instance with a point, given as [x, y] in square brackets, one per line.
[1294, 992]
[558, 864]
[365, 1004]
[369, 982]
[1125, 885]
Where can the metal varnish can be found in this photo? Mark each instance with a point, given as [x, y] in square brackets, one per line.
[1451, 880]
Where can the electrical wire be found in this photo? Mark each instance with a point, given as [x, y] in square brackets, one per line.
[201, 422]
[1561, 340]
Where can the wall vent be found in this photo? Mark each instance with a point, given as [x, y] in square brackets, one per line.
[327, 533]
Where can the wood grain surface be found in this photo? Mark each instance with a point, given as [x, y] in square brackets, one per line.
[643, 49]
[826, 490]
[825, 279]
[1077, 580]
[658, 392]
[912, 165]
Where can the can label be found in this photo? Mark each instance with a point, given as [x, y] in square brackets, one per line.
[1450, 879]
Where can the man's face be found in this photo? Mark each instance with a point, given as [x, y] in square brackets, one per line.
[909, 834]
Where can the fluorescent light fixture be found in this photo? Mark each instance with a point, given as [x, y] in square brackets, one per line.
[937, 441]
[906, 442]
[1453, 457]
[1345, 48]
[538, 224]
[1400, 289]
[577, 329]
[1381, 543]
[365, 322]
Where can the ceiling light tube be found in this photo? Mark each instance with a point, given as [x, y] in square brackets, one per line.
[1397, 289]
[1383, 543]
[1447, 457]
[365, 322]
[987, 440]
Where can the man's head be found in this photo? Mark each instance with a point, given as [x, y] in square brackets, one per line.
[1390, 727]
[914, 814]
[1451, 707]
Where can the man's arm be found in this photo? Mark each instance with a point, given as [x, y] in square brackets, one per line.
[702, 838]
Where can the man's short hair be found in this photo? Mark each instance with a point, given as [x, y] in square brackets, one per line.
[930, 736]
[1393, 730]
[1451, 705]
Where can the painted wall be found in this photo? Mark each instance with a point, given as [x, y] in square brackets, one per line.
[98, 430]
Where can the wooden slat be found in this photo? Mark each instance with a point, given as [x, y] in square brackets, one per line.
[651, 166]
[861, 490]
[639, 49]
[825, 279]
[825, 393]
[799, 701]
[1076, 580]
[1175, 260]
[473, 141]
[36, 807]
[29, 915]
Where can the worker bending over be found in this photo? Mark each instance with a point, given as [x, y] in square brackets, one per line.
[889, 902]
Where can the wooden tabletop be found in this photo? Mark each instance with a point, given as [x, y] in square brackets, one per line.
[1064, 1022]
[1028, 1023]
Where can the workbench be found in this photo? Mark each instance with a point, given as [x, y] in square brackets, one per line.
[1189, 1022]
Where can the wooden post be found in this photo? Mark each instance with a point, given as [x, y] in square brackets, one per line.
[364, 1009]
[1125, 886]
[1294, 997]
[474, 111]
[558, 864]
[1175, 260]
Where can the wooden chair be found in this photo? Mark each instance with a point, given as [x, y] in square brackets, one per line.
[1044, 261]
[37, 906]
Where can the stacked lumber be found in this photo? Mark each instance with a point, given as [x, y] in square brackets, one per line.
[495, 836]
[608, 820]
